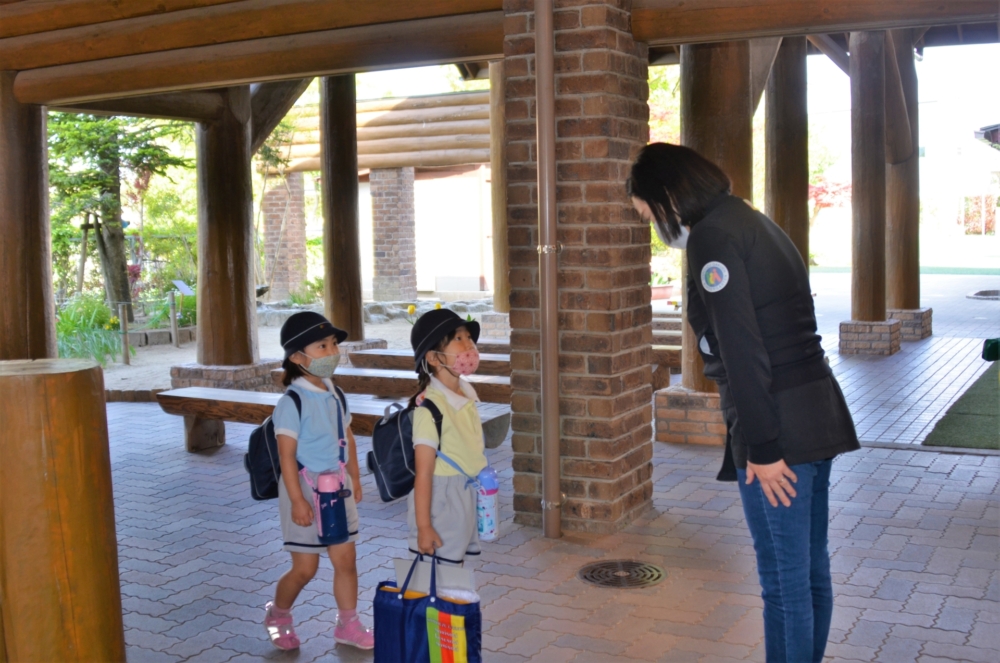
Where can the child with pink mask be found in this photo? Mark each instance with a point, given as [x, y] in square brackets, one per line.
[441, 509]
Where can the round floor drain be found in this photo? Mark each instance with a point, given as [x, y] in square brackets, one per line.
[622, 574]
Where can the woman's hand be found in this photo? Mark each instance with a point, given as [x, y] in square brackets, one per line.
[776, 481]
[428, 540]
[302, 512]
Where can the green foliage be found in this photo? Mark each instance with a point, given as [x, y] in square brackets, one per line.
[302, 298]
[170, 236]
[274, 153]
[90, 160]
[86, 329]
[315, 287]
[459, 84]
[664, 105]
[659, 278]
[187, 313]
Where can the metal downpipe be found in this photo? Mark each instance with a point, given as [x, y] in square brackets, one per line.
[548, 266]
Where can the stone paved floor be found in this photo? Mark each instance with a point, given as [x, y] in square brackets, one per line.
[914, 537]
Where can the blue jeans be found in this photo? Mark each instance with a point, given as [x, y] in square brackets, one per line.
[793, 563]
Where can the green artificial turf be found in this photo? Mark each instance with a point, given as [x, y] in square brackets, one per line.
[974, 420]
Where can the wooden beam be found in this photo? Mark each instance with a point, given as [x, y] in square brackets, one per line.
[868, 175]
[269, 103]
[762, 54]
[227, 313]
[498, 189]
[193, 106]
[307, 136]
[832, 50]
[435, 159]
[786, 131]
[388, 46]
[44, 15]
[27, 310]
[898, 142]
[659, 22]
[902, 236]
[341, 216]
[225, 23]
[404, 145]
[716, 121]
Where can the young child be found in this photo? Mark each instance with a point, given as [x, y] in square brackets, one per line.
[442, 506]
[310, 441]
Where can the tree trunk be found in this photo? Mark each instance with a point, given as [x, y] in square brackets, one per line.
[111, 237]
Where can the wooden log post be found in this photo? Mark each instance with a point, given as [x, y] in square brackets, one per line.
[787, 140]
[498, 189]
[123, 330]
[227, 325]
[716, 120]
[868, 175]
[868, 331]
[902, 255]
[341, 238]
[27, 310]
[58, 551]
[227, 315]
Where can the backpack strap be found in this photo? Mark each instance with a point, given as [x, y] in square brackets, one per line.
[436, 414]
[340, 394]
[295, 399]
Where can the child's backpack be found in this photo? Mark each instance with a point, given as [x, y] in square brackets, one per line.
[391, 457]
[261, 459]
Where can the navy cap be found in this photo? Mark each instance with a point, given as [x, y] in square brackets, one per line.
[307, 327]
[433, 326]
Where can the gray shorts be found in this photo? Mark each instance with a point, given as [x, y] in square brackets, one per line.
[306, 539]
[453, 516]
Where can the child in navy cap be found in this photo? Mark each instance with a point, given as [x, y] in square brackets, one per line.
[308, 445]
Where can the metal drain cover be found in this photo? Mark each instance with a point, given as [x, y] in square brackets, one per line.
[622, 574]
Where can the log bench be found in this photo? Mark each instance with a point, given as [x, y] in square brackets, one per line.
[402, 384]
[664, 337]
[402, 360]
[205, 409]
[495, 346]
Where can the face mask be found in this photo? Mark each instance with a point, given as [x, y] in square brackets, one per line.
[465, 363]
[322, 367]
[680, 242]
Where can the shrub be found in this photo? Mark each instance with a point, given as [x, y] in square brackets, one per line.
[187, 313]
[86, 329]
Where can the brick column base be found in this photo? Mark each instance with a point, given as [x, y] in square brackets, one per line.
[251, 377]
[916, 322]
[685, 416]
[858, 337]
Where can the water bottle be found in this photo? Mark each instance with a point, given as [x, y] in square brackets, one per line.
[487, 506]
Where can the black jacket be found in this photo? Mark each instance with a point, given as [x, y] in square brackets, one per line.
[751, 309]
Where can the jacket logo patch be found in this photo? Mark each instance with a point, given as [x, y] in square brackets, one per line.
[714, 276]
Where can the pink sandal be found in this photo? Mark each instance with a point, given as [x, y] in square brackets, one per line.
[354, 634]
[280, 629]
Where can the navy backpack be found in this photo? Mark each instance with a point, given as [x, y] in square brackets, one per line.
[261, 459]
[391, 457]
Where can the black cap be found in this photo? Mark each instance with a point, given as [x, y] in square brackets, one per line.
[433, 326]
[307, 327]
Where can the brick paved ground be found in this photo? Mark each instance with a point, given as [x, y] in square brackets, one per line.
[914, 537]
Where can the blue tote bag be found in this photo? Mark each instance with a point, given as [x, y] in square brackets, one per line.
[413, 627]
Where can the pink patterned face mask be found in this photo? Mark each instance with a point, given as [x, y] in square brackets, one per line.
[465, 363]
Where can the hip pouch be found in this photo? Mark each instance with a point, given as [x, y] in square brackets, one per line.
[329, 495]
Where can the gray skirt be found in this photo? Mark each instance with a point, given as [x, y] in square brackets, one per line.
[306, 539]
[453, 516]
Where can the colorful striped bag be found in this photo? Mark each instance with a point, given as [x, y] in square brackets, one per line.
[413, 627]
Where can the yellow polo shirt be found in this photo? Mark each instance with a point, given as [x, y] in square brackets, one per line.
[461, 428]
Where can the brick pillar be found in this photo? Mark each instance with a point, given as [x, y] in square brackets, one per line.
[285, 236]
[605, 330]
[394, 234]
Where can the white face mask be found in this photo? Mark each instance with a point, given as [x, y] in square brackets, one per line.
[680, 242]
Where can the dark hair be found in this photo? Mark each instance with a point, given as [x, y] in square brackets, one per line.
[677, 183]
[292, 371]
[423, 377]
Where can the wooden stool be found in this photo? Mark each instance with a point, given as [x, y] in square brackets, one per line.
[58, 551]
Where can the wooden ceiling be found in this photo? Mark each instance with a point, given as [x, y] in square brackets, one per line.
[77, 51]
